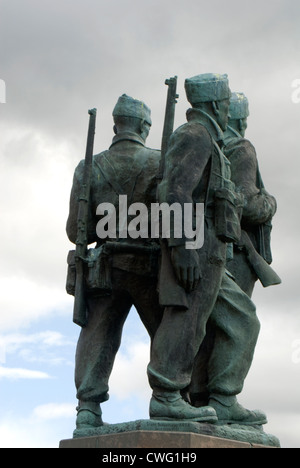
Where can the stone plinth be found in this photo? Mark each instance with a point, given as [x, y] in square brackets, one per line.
[155, 439]
[168, 434]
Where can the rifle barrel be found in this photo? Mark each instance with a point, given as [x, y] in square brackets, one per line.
[80, 306]
[168, 122]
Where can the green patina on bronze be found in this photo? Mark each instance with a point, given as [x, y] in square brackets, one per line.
[195, 304]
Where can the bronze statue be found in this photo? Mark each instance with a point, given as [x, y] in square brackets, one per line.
[119, 272]
[226, 354]
[194, 300]
[252, 254]
[196, 171]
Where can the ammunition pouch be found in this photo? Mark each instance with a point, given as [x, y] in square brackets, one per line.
[97, 269]
[263, 239]
[228, 212]
[98, 264]
[71, 273]
[98, 272]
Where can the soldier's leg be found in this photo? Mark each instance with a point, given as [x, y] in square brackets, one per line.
[197, 391]
[170, 368]
[245, 277]
[242, 271]
[181, 331]
[166, 405]
[174, 347]
[236, 329]
[144, 295]
[97, 346]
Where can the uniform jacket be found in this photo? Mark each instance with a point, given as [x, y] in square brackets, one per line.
[127, 168]
[194, 149]
[259, 205]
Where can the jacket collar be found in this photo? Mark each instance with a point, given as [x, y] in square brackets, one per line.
[127, 136]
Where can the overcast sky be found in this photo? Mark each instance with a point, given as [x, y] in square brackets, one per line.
[60, 58]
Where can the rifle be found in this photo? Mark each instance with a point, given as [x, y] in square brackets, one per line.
[168, 123]
[264, 230]
[80, 305]
[170, 292]
[264, 272]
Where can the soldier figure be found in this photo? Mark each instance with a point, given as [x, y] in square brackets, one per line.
[227, 351]
[252, 254]
[120, 272]
[196, 171]
[199, 315]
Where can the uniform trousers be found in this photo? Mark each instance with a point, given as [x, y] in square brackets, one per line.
[182, 329]
[99, 341]
[226, 354]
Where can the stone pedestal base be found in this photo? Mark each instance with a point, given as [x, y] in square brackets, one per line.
[169, 434]
[155, 439]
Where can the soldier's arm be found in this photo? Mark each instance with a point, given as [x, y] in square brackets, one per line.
[259, 206]
[189, 152]
[188, 155]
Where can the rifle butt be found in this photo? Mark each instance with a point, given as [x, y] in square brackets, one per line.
[80, 305]
[265, 273]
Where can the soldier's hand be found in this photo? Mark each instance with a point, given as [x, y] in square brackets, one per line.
[186, 265]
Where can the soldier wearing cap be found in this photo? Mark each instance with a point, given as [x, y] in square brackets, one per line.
[252, 254]
[198, 294]
[238, 114]
[196, 171]
[226, 353]
[122, 272]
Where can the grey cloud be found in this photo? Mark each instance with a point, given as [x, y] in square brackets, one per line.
[61, 58]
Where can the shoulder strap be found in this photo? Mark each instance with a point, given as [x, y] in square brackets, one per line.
[214, 173]
[109, 174]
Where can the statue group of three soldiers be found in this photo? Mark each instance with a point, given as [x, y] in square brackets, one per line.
[195, 303]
